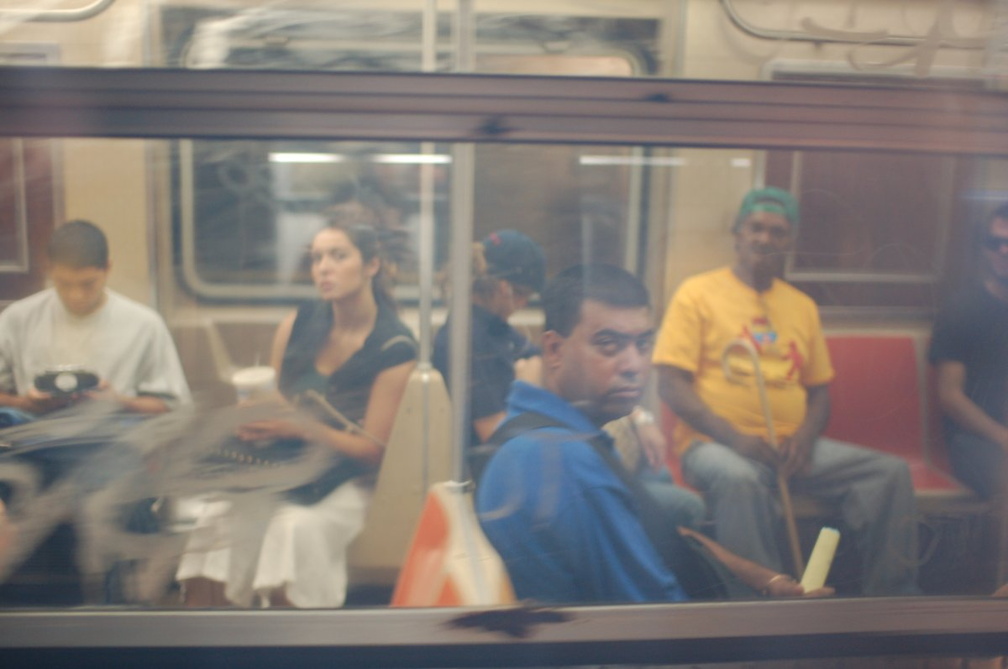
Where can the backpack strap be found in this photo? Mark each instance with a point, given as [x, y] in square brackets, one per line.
[477, 457]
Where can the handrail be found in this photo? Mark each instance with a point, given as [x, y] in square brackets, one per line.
[57, 15]
[827, 36]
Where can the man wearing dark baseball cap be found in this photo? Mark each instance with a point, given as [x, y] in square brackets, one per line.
[508, 267]
[514, 257]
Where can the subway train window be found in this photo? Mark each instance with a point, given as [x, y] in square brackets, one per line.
[242, 242]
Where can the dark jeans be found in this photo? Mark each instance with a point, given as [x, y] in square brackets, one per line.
[978, 463]
[92, 466]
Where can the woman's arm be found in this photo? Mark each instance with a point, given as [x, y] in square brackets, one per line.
[280, 339]
[383, 405]
[368, 445]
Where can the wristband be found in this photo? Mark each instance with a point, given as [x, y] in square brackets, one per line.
[773, 579]
[642, 416]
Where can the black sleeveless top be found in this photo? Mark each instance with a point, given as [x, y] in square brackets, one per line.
[348, 389]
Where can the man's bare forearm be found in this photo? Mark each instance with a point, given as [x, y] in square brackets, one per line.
[817, 413]
[147, 404]
[675, 387]
[973, 419]
[12, 401]
[951, 383]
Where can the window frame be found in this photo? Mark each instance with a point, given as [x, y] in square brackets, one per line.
[631, 634]
[84, 102]
[144, 103]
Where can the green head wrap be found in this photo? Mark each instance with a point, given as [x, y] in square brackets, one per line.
[773, 200]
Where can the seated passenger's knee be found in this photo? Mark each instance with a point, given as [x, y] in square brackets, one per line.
[894, 469]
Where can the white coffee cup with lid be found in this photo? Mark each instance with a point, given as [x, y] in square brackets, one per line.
[254, 383]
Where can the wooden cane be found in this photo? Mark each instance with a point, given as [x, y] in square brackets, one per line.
[782, 484]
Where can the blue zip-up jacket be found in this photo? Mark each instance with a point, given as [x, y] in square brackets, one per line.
[564, 524]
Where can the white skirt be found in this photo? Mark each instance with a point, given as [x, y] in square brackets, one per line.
[257, 543]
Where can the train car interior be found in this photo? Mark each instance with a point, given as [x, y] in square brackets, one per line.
[212, 140]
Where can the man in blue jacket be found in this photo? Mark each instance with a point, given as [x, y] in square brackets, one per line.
[554, 507]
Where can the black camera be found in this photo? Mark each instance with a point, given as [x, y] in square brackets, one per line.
[66, 381]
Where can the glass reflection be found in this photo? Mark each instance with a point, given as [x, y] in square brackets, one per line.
[891, 42]
[234, 227]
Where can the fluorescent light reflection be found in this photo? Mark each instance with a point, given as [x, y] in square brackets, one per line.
[387, 158]
[632, 160]
[412, 158]
[306, 158]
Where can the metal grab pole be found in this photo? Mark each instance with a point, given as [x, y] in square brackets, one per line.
[462, 195]
[782, 483]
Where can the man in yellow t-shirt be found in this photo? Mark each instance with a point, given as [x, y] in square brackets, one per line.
[722, 435]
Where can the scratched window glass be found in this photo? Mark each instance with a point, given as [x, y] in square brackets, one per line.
[245, 383]
[894, 42]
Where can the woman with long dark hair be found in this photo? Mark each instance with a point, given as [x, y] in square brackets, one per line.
[350, 348]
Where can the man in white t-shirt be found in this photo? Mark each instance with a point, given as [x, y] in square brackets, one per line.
[79, 322]
[123, 347]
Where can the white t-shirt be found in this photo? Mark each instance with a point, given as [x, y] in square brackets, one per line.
[126, 343]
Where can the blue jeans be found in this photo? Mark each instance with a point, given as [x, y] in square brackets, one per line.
[9, 417]
[873, 491]
[977, 462]
[685, 507]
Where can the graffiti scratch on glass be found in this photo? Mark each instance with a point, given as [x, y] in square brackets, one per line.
[920, 49]
[116, 478]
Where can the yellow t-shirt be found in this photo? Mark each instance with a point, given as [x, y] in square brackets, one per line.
[711, 310]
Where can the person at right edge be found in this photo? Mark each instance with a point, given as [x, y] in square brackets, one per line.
[722, 434]
[969, 351]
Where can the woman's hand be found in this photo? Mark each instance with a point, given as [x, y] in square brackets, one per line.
[283, 421]
[271, 429]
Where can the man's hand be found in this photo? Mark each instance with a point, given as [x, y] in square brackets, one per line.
[652, 443]
[757, 577]
[795, 453]
[783, 585]
[103, 391]
[756, 448]
[36, 401]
